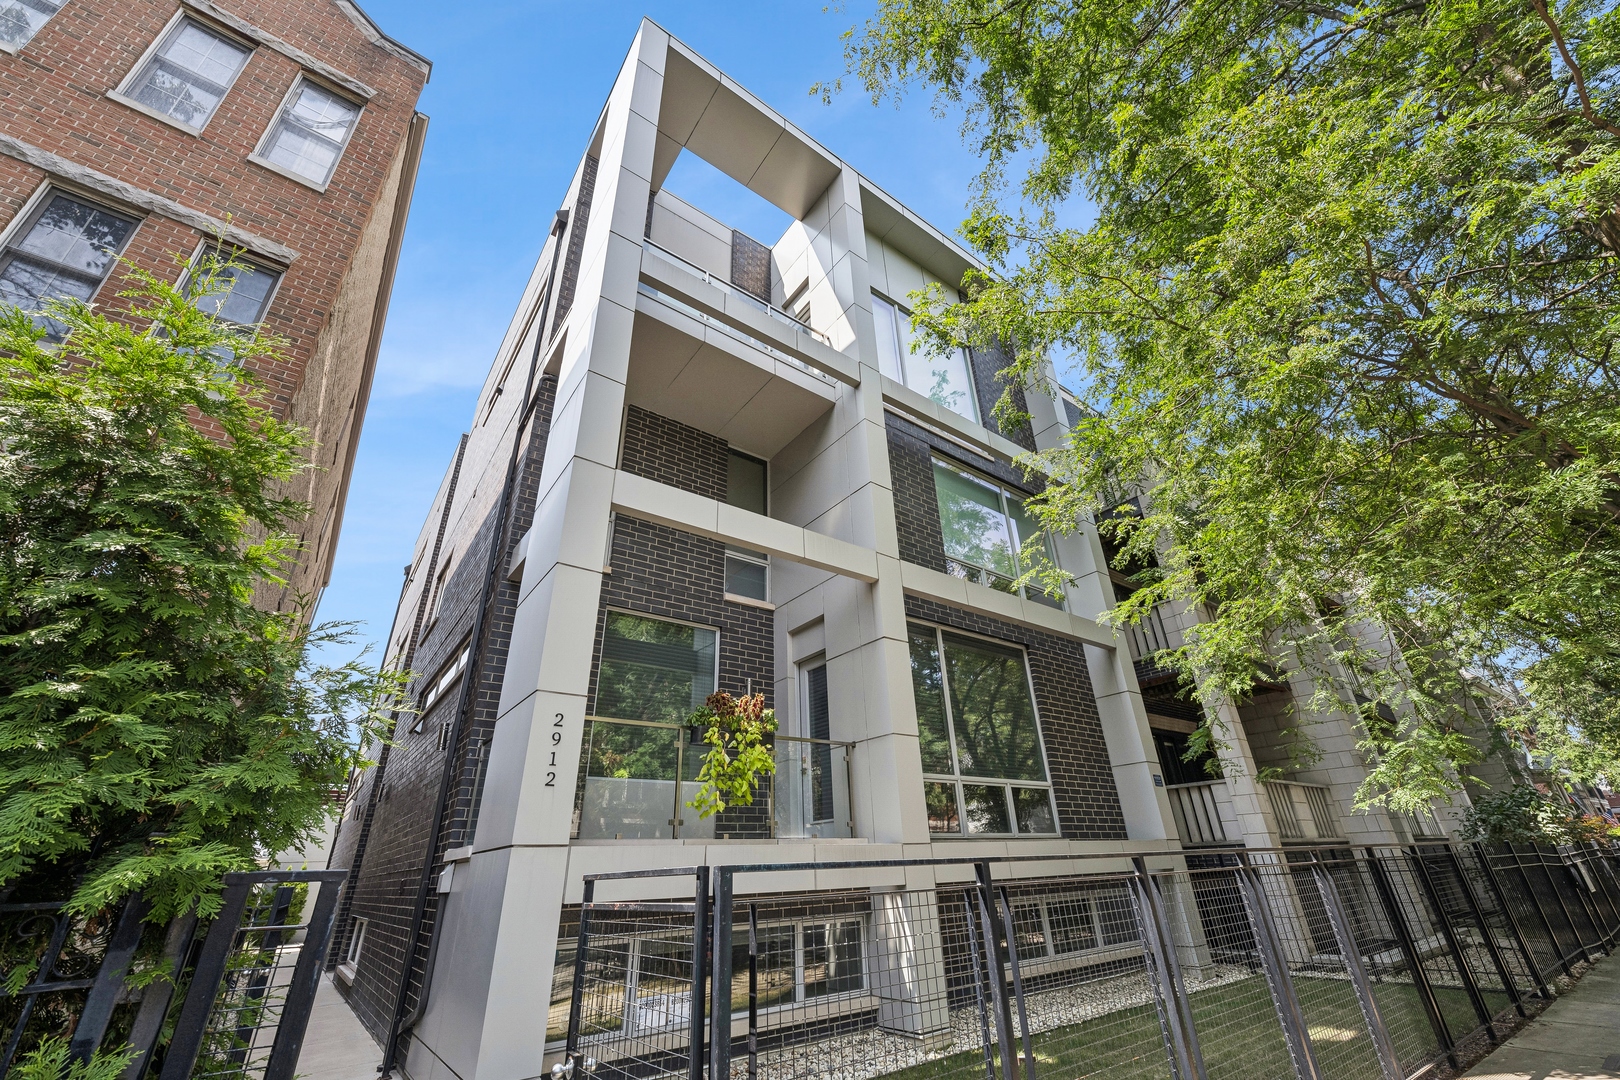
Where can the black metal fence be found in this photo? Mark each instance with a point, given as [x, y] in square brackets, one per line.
[1306, 963]
[228, 1000]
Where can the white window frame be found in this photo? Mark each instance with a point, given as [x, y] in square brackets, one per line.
[357, 941]
[15, 49]
[261, 149]
[959, 778]
[437, 689]
[440, 579]
[123, 92]
[241, 255]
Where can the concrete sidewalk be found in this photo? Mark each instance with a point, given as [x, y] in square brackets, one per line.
[336, 1046]
[1577, 1038]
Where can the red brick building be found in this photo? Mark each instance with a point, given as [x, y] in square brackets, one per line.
[151, 129]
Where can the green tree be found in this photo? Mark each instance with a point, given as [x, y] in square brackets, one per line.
[1347, 307]
[156, 729]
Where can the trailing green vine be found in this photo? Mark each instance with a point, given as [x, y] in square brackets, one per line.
[735, 729]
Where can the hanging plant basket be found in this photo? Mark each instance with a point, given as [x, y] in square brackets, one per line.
[740, 734]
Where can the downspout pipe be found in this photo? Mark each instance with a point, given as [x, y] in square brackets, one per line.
[402, 1023]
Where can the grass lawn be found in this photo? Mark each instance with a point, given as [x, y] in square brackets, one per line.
[1238, 1035]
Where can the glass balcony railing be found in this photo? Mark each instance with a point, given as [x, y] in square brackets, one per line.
[753, 301]
[641, 776]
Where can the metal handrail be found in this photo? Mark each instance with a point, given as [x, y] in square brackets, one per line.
[777, 736]
[730, 286]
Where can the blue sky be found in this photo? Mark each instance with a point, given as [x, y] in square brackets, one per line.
[515, 89]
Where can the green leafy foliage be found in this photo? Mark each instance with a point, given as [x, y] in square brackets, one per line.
[1345, 313]
[49, 1061]
[1524, 815]
[156, 729]
[735, 729]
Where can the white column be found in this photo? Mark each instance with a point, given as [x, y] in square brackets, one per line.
[492, 988]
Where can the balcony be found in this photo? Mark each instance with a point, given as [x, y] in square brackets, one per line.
[640, 776]
[1203, 812]
[1304, 812]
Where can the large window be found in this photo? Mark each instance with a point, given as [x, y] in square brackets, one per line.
[985, 528]
[310, 132]
[654, 670]
[188, 74]
[943, 378]
[20, 20]
[983, 763]
[65, 250]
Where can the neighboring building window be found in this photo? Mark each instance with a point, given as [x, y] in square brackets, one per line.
[985, 527]
[20, 20]
[982, 759]
[245, 290]
[66, 250]
[652, 669]
[189, 73]
[437, 690]
[944, 379]
[747, 572]
[310, 132]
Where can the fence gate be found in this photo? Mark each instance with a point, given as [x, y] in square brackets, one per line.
[255, 978]
[246, 987]
[635, 1010]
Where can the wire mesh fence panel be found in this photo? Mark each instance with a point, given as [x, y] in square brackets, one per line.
[1088, 995]
[1601, 868]
[634, 987]
[1545, 887]
[1535, 925]
[1336, 1028]
[1504, 921]
[1590, 885]
[1230, 1003]
[1449, 892]
[854, 984]
[1448, 981]
[1377, 940]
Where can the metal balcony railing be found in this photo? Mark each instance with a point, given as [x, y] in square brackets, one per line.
[1198, 813]
[640, 777]
[1303, 811]
[1150, 635]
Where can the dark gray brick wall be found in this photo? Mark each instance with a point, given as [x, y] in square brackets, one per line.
[665, 573]
[580, 217]
[750, 265]
[987, 381]
[1076, 755]
[671, 453]
[403, 830]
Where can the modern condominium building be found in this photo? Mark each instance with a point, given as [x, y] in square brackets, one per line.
[285, 133]
[708, 461]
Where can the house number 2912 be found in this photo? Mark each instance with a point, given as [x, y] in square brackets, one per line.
[556, 740]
